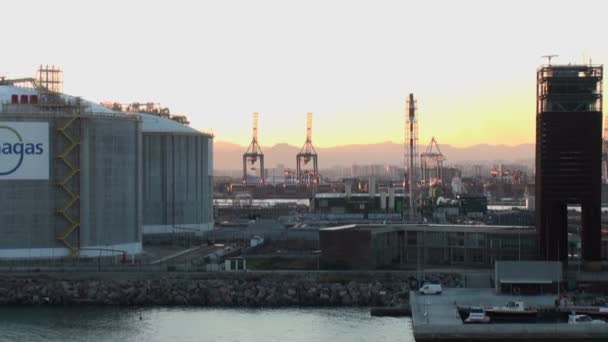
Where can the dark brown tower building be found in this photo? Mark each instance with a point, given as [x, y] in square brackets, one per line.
[568, 157]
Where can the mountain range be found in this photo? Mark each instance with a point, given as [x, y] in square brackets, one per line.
[229, 156]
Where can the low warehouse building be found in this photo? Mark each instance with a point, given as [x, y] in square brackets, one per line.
[527, 277]
[340, 203]
[352, 247]
[414, 245]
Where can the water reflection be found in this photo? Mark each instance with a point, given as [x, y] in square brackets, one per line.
[196, 324]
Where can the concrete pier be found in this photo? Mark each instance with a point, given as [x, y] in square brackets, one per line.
[436, 318]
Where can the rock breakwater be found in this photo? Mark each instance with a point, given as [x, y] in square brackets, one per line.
[249, 289]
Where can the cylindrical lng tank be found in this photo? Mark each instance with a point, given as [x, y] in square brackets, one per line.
[177, 177]
[70, 177]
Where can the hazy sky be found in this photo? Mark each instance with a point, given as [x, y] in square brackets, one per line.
[471, 64]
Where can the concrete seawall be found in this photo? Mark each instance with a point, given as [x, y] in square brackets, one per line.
[512, 332]
[249, 289]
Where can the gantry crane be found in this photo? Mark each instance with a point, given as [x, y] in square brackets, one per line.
[306, 154]
[431, 163]
[253, 154]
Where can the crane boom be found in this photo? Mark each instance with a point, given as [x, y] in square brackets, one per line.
[255, 126]
[309, 127]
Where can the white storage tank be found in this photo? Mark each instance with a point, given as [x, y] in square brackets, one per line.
[177, 177]
[70, 176]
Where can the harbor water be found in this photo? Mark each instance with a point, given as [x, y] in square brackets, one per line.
[198, 324]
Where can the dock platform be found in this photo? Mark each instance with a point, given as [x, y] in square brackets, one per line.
[436, 317]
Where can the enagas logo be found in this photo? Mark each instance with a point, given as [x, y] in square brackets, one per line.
[23, 152]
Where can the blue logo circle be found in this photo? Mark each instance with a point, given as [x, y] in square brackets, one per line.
[6, 173]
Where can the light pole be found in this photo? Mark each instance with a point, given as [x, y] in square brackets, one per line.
[423, 252]
[578, 247]
[318, 262]
[418, 260]
[519, 243]
[558, 286]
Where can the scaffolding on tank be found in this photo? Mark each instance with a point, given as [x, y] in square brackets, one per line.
[67, 145]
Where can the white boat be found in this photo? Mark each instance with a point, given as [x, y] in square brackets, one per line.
[477, 315]
[583, 319]
[511, 309]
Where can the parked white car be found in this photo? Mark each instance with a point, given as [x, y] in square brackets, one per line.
[477, 315]
[430, 289]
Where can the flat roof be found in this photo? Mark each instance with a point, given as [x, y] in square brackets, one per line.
[156, 124]
[382, 228]
[150, 123]
[526, 281]
[349, 226]
[354, 194]
[570, 66]
[527, 271]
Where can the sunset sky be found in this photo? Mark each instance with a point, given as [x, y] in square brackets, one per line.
[470, 64]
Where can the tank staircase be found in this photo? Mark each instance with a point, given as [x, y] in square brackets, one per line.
[69, 182]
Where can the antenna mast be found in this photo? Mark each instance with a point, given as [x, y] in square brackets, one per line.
[411, 153]
[549, 57]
